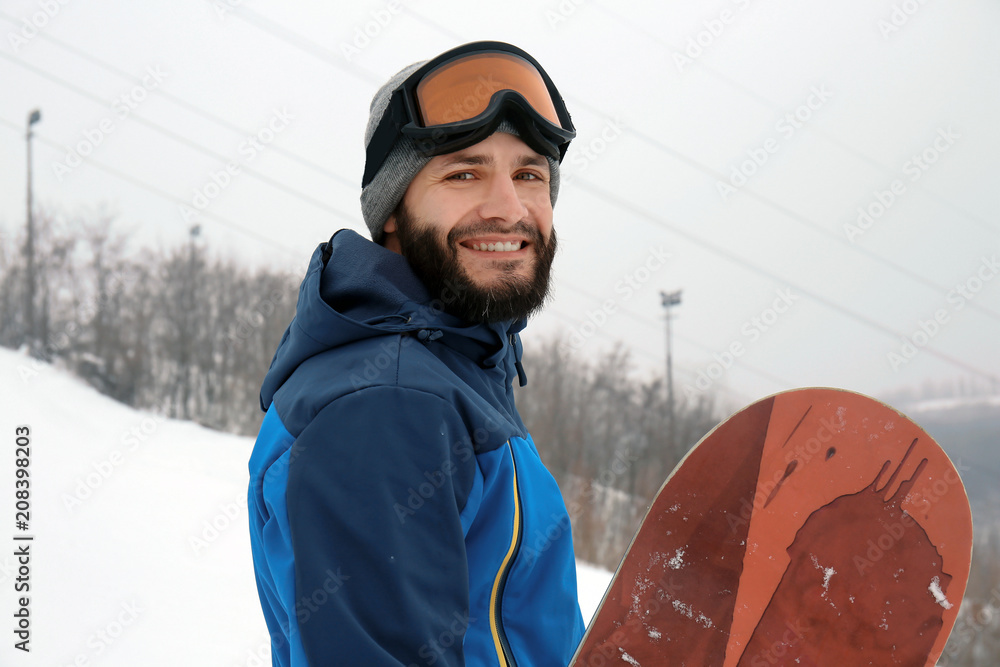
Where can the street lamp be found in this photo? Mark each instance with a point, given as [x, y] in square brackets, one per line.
[29, 250]
[669, 299]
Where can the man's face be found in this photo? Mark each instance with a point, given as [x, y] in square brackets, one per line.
[476, 226]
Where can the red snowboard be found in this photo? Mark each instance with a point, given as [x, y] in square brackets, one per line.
[814, 527]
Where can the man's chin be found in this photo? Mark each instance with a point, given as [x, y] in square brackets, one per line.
[499, 274]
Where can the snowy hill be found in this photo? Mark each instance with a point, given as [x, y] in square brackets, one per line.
[968, 428]
[141, 554]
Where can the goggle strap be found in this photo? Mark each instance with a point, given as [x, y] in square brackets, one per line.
[384, 138]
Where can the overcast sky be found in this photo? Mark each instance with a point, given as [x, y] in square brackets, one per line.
[821, 180]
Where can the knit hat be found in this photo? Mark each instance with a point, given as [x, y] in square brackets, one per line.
[382, 195]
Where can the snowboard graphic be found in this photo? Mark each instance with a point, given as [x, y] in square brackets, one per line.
[814, 527]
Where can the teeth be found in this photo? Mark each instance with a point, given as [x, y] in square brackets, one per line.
[497, 247]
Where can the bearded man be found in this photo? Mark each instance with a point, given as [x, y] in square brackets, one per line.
[399, 512]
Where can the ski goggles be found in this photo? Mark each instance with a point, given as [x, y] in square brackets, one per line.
[461, 97]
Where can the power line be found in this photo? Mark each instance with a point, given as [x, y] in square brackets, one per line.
[188, 106]
[772, 106]
[792, 215]
[750, 266]
[306, 46]
[326, 55]
[268, 242]
[185, 141]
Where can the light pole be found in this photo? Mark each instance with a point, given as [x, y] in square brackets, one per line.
[669, 299]
[29, 249]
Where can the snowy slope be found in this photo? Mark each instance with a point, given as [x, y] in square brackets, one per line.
[141, 554]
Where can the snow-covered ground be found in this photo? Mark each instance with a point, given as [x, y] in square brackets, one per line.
[141, 554]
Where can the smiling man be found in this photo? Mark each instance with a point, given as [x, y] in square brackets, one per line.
[400, 514]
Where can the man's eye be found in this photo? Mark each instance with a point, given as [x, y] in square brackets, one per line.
[461, 176]
[528, 176]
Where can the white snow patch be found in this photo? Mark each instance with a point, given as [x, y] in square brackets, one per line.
[952, 404]
[655, 634]
[688, 610]
[629, 659]
[591, 581]
[939, 596]
[828, 573]
[683, 608]
[677, 562]
[165, 529]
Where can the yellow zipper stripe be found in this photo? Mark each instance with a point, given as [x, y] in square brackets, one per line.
[494, 621]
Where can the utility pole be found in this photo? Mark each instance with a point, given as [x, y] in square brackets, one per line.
[668, 300]
[29, 249]
[187, 336]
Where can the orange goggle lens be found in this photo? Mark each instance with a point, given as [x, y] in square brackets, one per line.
[461, 89]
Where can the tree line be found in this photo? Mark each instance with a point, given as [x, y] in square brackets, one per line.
[175, 331]
[189, 335]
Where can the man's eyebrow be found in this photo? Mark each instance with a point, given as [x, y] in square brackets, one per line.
[533, 160]
[473, 159]
[466, 159]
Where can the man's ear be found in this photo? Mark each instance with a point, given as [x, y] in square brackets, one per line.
[390, 240]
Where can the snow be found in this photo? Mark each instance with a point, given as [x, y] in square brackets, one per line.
[629, 659]
[939, 596]
[141, 552]
[592, 581]
[952, 404]
[828, 573]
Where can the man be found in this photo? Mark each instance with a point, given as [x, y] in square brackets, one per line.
[400, 514]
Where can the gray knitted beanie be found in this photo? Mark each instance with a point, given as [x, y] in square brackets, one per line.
[381, 196]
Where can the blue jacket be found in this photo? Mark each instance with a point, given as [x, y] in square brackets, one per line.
[399, 513]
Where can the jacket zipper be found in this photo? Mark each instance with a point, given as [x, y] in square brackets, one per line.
[504, 654]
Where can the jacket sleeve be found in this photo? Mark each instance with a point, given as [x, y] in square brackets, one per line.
[374, 501]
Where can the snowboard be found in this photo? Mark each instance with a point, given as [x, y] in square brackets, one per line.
[814, 527]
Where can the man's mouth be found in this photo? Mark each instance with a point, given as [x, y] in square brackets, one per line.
[500, 246]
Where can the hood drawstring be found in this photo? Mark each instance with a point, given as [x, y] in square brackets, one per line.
[522, 378]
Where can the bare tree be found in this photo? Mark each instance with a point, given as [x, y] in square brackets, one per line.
[606, 437]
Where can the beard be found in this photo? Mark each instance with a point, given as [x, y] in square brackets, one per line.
[511, 296]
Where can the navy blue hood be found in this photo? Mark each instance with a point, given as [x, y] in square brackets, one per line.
[355, 289]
